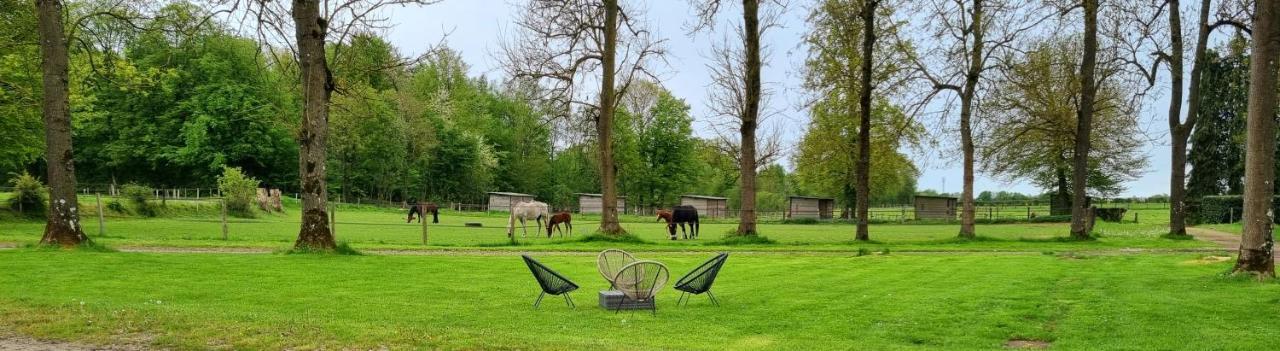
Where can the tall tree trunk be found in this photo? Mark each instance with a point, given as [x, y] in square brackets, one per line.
[967, 211]
[63, 224]
[1180, 131]
[863, 166]
[604, 123]
[1257, 244]
[317, 84]
[1084, 123]
[750, 116]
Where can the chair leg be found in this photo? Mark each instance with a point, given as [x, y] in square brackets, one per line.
[678, 301]
[713, 298]
[539, 301]
[569, 301]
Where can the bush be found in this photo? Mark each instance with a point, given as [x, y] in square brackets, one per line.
[238, 190]
[28, 195]
[1051, 219]
[1221, 209]
[137, 195]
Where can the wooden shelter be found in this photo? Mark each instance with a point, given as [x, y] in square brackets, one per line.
[935, 207]
[708, 206]
[502, 201]
[811, 207]
[594, 203]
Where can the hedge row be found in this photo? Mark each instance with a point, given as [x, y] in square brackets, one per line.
[1222, 209]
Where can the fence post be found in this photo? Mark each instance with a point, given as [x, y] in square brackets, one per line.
[333, 220]
[101, 221]
[224, 218]
[424, 227]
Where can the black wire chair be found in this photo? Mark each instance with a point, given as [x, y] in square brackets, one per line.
[640, 283]
[700, 279]
[551, 282]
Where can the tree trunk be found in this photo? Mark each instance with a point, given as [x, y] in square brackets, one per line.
[863, 166]
[317, 84]
[63, 225]
[1178, 130]
[750, 116]
[1084, 123]
[1257, 244]
[604, 123]
[967, 210]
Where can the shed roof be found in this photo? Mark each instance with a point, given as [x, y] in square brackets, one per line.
[596, 195]
[810, 197]
[508, 194]
[705, 197]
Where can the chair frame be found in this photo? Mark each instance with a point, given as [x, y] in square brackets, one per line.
[712, 268]
[610, 276]
[534, 267]
[653, 290]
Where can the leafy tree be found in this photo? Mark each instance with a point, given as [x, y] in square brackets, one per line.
[1217, 151]
[825, 155]
[20, 129]
[238, 190]
[664, 164]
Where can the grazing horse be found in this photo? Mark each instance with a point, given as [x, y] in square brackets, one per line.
[562, 217]
[525, 211]
[681, 215]
[421, 209]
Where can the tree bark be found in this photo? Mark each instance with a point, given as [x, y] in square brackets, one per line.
[604, 122]
[967, 209]
[63, 222]
[863, 166]
[750, 117]
[1084, 123]
[1257, 244]
[317, 84]
[1180, 131]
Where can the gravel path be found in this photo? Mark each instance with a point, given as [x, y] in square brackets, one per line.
[13, 342]
[1229, 241]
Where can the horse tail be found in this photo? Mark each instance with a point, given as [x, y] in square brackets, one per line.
[435, 215]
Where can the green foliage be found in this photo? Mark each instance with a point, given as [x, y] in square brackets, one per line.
[28, 196]
[1110, 214]
[238, 190]
[1030, 130]
[1222, 209]
[1216, 156]
[21, 131]
[655, 146]
[137, 195]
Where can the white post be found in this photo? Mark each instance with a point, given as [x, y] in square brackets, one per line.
[224, 219]
[102, 229]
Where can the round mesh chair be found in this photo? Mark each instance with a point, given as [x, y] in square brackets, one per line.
[610, 261]
[640, 282]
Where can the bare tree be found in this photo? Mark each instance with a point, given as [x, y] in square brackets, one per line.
[972, 33]
[1257, 246]
[1084, 123]
[738, 92]
[564, 43]
[862, 167]
[305, 27]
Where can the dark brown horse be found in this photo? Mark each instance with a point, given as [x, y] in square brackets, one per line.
[421, 209]
[562, 217]
[681, 215]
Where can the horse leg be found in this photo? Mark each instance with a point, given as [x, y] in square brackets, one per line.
[570, 225]
[683, 233]
[435, 216]
[524, 230]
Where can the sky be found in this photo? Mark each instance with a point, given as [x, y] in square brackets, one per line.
[475, 28]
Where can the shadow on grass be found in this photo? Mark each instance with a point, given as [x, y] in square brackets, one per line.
[738, 240]
[342, 249]
[1172, 236]
[598, 237]
[87, 246]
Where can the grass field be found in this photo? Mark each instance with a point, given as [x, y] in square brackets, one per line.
[770, 302]
[914, 287]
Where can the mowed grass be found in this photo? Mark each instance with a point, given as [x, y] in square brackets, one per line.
[379, 228]
[771, 301]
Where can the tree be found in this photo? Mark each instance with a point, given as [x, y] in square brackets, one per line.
[664, 147]
[311, 31]
[20, 132]
[562, 43]
[982, 30]
[1084, 123]
[1217, 154]
[841, 68]
[1257, 244]
[63, 225]
[826, 152]
[1029, 131]
[739, 79]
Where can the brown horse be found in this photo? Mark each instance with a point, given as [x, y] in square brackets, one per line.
[562, 217]
[421, 209]
[681, 215]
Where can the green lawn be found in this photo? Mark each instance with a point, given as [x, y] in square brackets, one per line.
[771, 301]
[371, 228]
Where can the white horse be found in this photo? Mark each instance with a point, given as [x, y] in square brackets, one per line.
[525, 211]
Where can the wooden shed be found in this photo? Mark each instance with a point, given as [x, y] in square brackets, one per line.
[935, 207]
[594, 203]
[502, 201]
[708, 206]
[811, 207]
